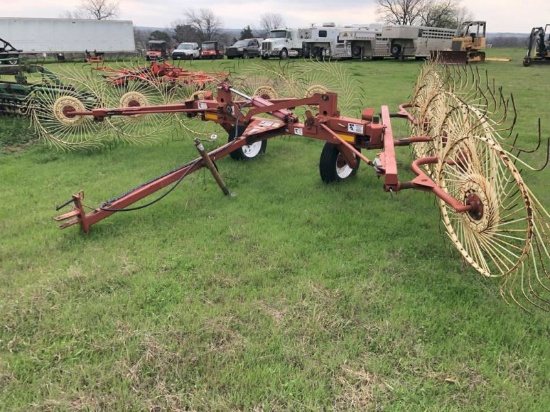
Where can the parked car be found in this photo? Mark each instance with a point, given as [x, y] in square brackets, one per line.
[244, 49]
[187, 51]
[211, 50]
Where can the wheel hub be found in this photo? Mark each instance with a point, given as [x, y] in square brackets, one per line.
[265, 92]
[134, 99]
[483, 217]
[63, 108]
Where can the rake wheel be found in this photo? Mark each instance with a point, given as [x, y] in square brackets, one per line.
[494, 237]
[53, 122]
[429, 110]
[138, 128]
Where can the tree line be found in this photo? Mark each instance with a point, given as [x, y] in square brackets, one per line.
[203, 25]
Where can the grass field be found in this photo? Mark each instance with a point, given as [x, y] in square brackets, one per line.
[290, 295]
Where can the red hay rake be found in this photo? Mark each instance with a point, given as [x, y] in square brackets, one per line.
[490, 215]
[162, 74]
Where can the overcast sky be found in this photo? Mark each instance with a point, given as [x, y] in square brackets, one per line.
[501, 15]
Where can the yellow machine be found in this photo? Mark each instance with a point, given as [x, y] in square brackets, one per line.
[470, 39]
[468, 45]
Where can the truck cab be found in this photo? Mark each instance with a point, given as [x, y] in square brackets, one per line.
[157, 50]
[282, 43]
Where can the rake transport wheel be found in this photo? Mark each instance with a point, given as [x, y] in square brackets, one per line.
[246, 152]
[494, 237]
[333, 166]
[53, 122]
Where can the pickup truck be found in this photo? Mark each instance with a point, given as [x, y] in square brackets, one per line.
[244, 49]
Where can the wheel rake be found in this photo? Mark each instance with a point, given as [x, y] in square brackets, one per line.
[123, 85]
[51, 106]
[296, 80]
[461, 155]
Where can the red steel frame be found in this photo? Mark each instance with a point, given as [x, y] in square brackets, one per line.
[350, 134]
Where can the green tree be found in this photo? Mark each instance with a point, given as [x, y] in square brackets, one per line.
[160, 35]
[246, 33]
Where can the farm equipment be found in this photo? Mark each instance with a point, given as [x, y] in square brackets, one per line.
[211, 50]
[30, 84]
[490, 215]
[157, 50]
[94, 56]
[538, 50]
[8, 53]
[467, 46]
[161, 73]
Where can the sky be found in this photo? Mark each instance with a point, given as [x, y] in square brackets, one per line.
[501, 15]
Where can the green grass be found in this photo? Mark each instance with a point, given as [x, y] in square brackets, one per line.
[290, 295]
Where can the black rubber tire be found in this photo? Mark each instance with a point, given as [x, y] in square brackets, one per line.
[244, 153]
[395, 50]
[329, 165]
[283, 55]
[245, 55]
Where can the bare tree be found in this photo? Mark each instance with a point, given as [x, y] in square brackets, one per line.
[270, 21]
[434, 13]
[441, 14]
[95, 9]
[206, 24]
[404, 12]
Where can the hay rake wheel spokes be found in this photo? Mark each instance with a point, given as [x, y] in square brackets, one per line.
[137, 128]
[531, 282]
[50, 108]
[495, 236]
[429, 110]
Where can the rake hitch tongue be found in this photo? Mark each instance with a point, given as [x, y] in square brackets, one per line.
[77, 215]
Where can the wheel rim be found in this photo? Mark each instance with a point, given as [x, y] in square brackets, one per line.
[343, 169]
[494, 237]
[252, 150]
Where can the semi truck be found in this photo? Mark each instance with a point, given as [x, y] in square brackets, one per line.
[53, 36]
[282, 43]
